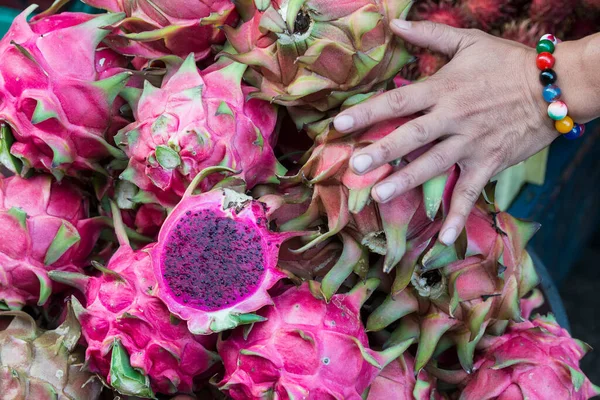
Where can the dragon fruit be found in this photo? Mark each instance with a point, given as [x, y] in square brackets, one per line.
[533, 360]
[456, 293]
[133, 341]
[216, 258]
[397, 381]
[306, 348]
[43, 365]
[344, 198]
[58, 105]
[195, 121]
[317, 53]
[164, 27]
[50, 229]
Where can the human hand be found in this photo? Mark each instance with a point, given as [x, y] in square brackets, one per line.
[483, 110]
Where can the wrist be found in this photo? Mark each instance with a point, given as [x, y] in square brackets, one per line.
[577, 71]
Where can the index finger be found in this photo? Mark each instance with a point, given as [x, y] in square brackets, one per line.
[400, 102]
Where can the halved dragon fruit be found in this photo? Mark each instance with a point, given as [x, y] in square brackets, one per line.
[133, 342]
[216, 258]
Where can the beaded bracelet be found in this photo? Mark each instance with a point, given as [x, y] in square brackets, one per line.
[557, 109]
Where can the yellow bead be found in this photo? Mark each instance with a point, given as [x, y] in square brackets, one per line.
[564, 125]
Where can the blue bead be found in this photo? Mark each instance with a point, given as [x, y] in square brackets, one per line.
[551, 93]
[575, 132]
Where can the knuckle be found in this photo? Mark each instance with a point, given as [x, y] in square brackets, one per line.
[406, 179]
[439, 159]
[365, 116]
[395, 100]
[470, 194]
[387, 149]
[420, 132]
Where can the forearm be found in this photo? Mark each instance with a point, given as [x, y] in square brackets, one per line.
[578, 70]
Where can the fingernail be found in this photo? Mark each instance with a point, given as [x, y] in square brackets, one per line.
[343, 122]
[448, 236]
[402, 24]
[361, 163]
[385, 191]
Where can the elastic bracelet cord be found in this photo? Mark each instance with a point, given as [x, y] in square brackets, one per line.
[557, 109]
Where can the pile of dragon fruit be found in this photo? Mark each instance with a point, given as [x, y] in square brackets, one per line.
[178, 219]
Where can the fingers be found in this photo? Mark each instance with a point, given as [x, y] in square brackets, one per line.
[436, 37]
[468, 189]
[433, 163]
[399, 102]
[400, 142]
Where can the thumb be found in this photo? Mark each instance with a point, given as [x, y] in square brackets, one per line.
[439, 38]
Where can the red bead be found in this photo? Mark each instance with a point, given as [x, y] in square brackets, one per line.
[544, 61]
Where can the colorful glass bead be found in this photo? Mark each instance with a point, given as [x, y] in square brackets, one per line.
[576, 132]
[550, 37]
[565, 125]
[557, 110]
[551, 93]
[545, 46]
[544, 61]
[548, 77]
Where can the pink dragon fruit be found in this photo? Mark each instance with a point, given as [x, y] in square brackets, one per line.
[163, 27]
[456, 293]
[216, 258]
[195, 121]
[46, 228]
[344, 198]
[397, 381]
[306, 348]
[316, 53]
[133, 341]
[533, 360]
[58, 104]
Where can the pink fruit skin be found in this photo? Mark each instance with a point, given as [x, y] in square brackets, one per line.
[538, 356]
[57, 102]
[45, 207]
[206, 120]
[165, 27]
[124, 308]
[307, 349]
[397, 381]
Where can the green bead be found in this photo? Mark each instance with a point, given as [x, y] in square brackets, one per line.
[545, 46]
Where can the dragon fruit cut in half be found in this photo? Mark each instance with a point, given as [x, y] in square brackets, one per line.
[216, 258]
